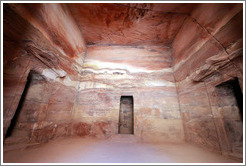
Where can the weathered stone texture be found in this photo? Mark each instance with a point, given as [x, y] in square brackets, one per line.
[212, 55]
[169, 57]
[154, 96]
[56, 24]
[115, 22]
[205, 15]
[41, 117]
[191, 50]
[26, 49]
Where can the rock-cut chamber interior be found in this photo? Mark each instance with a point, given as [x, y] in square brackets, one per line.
[123, 77]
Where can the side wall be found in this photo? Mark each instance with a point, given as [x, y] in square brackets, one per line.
[43, 113]
[24, 49]
[206, 53]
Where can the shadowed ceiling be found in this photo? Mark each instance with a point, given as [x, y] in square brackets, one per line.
[107, 24]
[130, 24]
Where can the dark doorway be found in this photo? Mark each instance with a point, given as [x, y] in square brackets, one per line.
[126, 115]
[231, 110]
[17, 112]
[230, 94]
[32, 76]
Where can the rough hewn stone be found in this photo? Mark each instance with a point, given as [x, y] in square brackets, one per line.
[208, 61]
[79, 59]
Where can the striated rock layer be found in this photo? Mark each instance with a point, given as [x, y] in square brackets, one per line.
[66, 66]
[111, 72]
[211, 55]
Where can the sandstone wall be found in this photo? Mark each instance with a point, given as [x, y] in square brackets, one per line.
[207, 51]
[142, 72]
[43, 113]
[57, 25]
[81, 87]
[83, 101]
[25, 48]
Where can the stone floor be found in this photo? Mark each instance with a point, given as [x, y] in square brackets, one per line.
[85, 150]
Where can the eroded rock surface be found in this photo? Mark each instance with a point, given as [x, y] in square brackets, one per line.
[79, 59]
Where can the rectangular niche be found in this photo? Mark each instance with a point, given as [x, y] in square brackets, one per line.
[126, 123]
